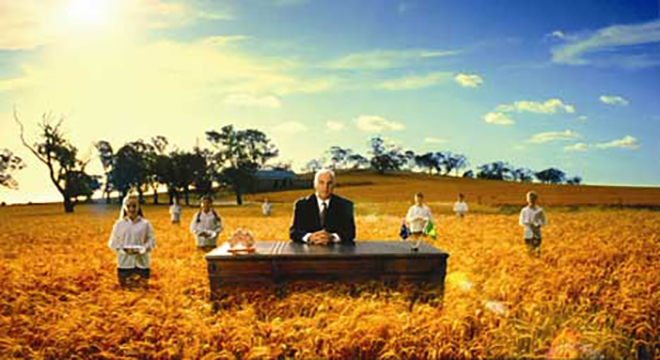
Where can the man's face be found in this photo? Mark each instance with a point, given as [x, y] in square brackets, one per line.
[324, 186]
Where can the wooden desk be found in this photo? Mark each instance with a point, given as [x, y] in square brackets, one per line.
[279, 262]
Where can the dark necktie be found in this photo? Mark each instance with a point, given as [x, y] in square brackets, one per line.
[324, 213]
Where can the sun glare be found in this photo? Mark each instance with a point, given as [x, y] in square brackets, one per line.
[91, 12]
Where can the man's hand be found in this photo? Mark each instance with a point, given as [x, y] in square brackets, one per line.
[320, 237]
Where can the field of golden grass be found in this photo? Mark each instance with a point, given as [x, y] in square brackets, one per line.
[593, 293]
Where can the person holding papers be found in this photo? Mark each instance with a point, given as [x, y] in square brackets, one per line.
[133, 240]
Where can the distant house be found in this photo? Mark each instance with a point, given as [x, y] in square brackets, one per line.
[274, 180]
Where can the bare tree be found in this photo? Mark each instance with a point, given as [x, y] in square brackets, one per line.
[60, 157]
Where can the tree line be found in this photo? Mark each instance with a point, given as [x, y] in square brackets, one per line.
[387, 157]
[230, 161]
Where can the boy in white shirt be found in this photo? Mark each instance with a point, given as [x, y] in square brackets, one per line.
[132, 239]
[461, 207]
[418, 216]
[532, 218]
[266, 207]
[175, 211]
[206, 225]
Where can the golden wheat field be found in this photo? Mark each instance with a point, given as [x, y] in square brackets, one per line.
[593, 293]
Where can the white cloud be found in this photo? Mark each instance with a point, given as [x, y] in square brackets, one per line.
[387, 59]
[606, 46]
[558, 34]
[469, 80]
[335, 125]
[433, 140]
[415, 82]
[550, 106]
[290, 128]
[613, 100]
[627, 142]
[249, 100]
[554, 136]
[373, 123]
[223, 40]
[498, 118]
[576, 147]
[582, 118]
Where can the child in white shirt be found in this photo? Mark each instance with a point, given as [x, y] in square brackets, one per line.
[206, 225]
[132, 239]
[532, 218]
[266, 208]
[461, 207]
[418, 216]
[175, 211]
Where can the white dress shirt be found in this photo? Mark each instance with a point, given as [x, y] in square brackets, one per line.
[266, 208]
[137, 235]
[418, 217]
[175, 212]
[460, 207]
[207, 229]
[532, 217]
[333, 236]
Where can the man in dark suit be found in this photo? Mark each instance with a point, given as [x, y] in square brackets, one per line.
[323, 218]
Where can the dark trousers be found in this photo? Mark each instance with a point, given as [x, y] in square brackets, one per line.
[534, 245]
[133, 277]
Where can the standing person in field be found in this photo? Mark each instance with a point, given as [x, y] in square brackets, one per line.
[323, 218]
[532, 218]
[132, 239]
[461, 207]
[266, 208]
[206, 225]
[419, 216]
[175, 211]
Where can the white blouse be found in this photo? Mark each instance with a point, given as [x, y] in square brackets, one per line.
[532, 217]
[418, 217]
[266, 209]
[460, 207]
[137, 235]
[207, 229]
[175, 212]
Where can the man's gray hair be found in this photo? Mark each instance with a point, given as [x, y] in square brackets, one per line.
[323, 171]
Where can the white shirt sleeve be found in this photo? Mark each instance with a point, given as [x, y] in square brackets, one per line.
[522, 221]
[193, 225]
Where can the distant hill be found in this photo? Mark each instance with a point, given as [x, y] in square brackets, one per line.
[369, 186]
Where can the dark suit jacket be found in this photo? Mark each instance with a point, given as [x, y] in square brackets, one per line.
[339, 219]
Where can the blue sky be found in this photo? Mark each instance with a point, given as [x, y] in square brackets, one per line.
[539, 84]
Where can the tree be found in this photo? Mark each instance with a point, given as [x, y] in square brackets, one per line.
[132, 168]
[59, 156]
[313, 165]
[497, 170]
[358, 161]
[338, 156]
[522, 174]
[239, 154]
[469, 174]
[454, 162]
[551, 175]
[385, 156]
[575, 180]
[83, 185]
[427, 161]
[182, 167]
[9, 163]
[107, 157]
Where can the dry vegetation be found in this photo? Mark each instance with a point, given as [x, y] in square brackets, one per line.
[594, 292]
